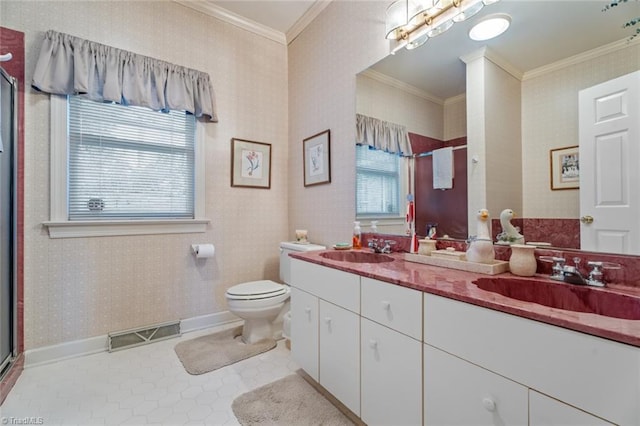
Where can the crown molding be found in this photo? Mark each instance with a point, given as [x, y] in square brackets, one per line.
[308, 17]
[485, 52]
[211, 9]
[218, 12]
[413, 90]
[580, 57]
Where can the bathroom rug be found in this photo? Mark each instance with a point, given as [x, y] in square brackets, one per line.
[212, 351]
[285, 402]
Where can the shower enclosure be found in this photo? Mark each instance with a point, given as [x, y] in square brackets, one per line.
[8, 295]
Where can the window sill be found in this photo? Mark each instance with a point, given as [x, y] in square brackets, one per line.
[102, 228]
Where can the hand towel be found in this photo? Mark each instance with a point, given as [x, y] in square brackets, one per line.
[443, 168]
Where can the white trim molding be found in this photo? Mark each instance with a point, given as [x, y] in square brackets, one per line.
[581, 57]
[109, 228]
[209, 8]
[60, 227]
[93, 345]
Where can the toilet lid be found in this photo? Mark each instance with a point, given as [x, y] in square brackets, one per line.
[256, 290]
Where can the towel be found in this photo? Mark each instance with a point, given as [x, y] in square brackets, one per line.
[443, 168]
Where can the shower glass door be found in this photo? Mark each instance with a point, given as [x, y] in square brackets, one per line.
[8, 134]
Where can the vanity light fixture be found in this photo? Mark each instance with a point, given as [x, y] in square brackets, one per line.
[490, 27]
[412, 22]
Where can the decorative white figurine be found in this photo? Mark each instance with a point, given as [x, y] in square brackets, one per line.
[481, 246]
[510, 234]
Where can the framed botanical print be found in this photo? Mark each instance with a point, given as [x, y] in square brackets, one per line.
[317, 158]
[250, 164]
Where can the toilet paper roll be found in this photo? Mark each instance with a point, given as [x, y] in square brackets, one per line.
[203, 251]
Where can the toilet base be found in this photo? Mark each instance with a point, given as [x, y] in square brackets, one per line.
[255, 330]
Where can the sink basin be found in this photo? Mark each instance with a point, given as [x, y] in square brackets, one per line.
[357, 256]
[565, 296]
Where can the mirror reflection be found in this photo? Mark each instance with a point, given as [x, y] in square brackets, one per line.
[511, 100]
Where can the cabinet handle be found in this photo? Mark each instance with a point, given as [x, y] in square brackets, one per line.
[386, 305]
[489, 404]
[327, 320]
[307, 310]
[373, 344]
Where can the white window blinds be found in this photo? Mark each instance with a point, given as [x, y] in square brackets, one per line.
[129, 162]
[377, 182]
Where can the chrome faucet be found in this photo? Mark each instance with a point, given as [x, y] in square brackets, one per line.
[572, 275]
[381, 245]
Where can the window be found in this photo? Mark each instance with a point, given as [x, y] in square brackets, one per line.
[378, 183]
[129, 162]
[124, 166]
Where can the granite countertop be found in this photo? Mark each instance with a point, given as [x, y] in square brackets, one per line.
[458, 285]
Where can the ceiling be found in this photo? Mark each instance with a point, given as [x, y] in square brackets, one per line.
[541, 32]
[278, 15]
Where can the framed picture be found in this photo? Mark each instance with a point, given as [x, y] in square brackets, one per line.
[565, 168]
[317, 158]
[250, 164]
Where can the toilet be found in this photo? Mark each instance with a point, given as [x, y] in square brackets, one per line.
[262, 304]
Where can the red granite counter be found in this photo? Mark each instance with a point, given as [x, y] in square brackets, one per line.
[459, 285]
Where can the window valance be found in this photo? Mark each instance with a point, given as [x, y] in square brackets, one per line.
[378, 134]
[69, 65]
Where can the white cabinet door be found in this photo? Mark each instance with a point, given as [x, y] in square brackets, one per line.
[304, 331]
[391, 376]
[340, 354]
[545, 411]
[459, 393]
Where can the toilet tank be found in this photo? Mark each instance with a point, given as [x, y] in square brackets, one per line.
[285, 260]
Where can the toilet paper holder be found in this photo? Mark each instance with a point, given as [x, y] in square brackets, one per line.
[203, 251]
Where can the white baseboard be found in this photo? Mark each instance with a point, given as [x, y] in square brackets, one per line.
[207, 321]
[92, 345]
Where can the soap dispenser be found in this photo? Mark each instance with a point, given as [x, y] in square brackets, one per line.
[356, 241]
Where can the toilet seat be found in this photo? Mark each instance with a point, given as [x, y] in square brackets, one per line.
[254, 290]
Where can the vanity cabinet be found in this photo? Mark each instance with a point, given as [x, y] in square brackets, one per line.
[391, 379]
[394, 355]
[304, 331]
[587, 373]
[545, 411]
[391, 354]
[340, 354]
[457, 392]
[327, 342]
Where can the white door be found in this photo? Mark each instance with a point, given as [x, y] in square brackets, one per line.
[609, 121]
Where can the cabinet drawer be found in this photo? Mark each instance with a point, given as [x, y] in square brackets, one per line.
[545, 411]
[396, 307]
[558, 362]
[338, 287]
[459, 393]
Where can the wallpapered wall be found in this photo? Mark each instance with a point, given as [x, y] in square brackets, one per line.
[550, 120]
[345, 40]
[82, 287]
[78, 288]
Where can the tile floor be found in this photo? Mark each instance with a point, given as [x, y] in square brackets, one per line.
[146, 385]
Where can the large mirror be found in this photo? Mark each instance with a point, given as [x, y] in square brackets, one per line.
[554, 49]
